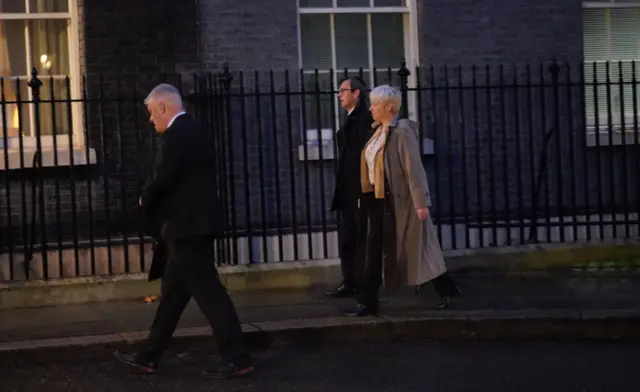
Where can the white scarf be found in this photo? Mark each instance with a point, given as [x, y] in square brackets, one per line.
[372, 149]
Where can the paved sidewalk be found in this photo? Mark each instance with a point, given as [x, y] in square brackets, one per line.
[541, 297]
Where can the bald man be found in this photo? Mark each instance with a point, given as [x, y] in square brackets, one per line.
[181, 196]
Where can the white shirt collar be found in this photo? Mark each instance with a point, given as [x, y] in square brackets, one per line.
[174, 118]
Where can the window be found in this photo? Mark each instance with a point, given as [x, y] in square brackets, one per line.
[40, 34]
[356, 35]
[611, 46]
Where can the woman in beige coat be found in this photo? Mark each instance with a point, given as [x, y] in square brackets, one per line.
[402, 246]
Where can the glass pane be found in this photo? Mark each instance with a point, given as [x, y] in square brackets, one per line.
[16, 112]
[13, 59]
[351, 41]
[623, 90]
[387, 77]
[596, 34]
[625, 34]
[389, 3]
[8, 111]
[48, 6]
[592, 90]
[13, 6]
[316, 41]
[54, 110]
[611, 95]
[49, 46]
[363, 73]
[319, 98]
[315, 3]
[388, 39]
[353, 3]
[596, 88]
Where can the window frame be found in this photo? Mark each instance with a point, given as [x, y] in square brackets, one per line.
[73, 42]
[628, 130]
[409, 14]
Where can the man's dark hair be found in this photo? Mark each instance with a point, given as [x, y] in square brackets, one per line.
[357, 83]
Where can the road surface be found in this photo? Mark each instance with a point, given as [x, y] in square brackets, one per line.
[371, 367]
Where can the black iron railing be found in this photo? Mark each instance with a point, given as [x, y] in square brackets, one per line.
[514, 155]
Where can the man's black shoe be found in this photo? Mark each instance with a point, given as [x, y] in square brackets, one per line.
[342, 291]
[229, 369]
[134, 360]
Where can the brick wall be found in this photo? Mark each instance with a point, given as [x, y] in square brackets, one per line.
[249, 34]
[493, 31]
[499, 122]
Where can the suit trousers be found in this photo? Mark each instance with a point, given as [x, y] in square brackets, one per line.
[191, 272]
[372, 276]
[349, 242]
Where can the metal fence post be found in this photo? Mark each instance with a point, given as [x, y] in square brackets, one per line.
[226, 137]
[554, 70]
[404, 73]
[35, 84]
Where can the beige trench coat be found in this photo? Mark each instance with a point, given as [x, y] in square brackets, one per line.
[418, 256]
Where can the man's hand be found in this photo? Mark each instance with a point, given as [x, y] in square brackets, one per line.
[140, 201]
[423, 213]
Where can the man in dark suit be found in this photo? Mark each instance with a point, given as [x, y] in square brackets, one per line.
[181, 196]
[352, 137]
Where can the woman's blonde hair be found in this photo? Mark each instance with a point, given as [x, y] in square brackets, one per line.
[387, 95]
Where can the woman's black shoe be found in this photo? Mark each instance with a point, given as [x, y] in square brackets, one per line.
[361, 311]
[448, 300]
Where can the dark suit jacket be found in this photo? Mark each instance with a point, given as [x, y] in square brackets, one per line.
[180, 199]
[352, 137]
[152, 227]
[159, 261]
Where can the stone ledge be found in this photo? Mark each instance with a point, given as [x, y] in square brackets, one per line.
[60, 157]
[325, 151]
[304, 274]
[288, 275]
[541, 257]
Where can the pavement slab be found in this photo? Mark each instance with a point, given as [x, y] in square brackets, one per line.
[547, 302]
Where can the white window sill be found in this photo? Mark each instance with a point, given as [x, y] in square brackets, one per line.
[427, 147]
[615, 137]
[48, 157]
[313, 151]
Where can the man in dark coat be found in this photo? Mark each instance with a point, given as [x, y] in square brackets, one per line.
[180, 200]
[351, 138]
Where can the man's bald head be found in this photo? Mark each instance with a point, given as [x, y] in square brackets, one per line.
[163, 103]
